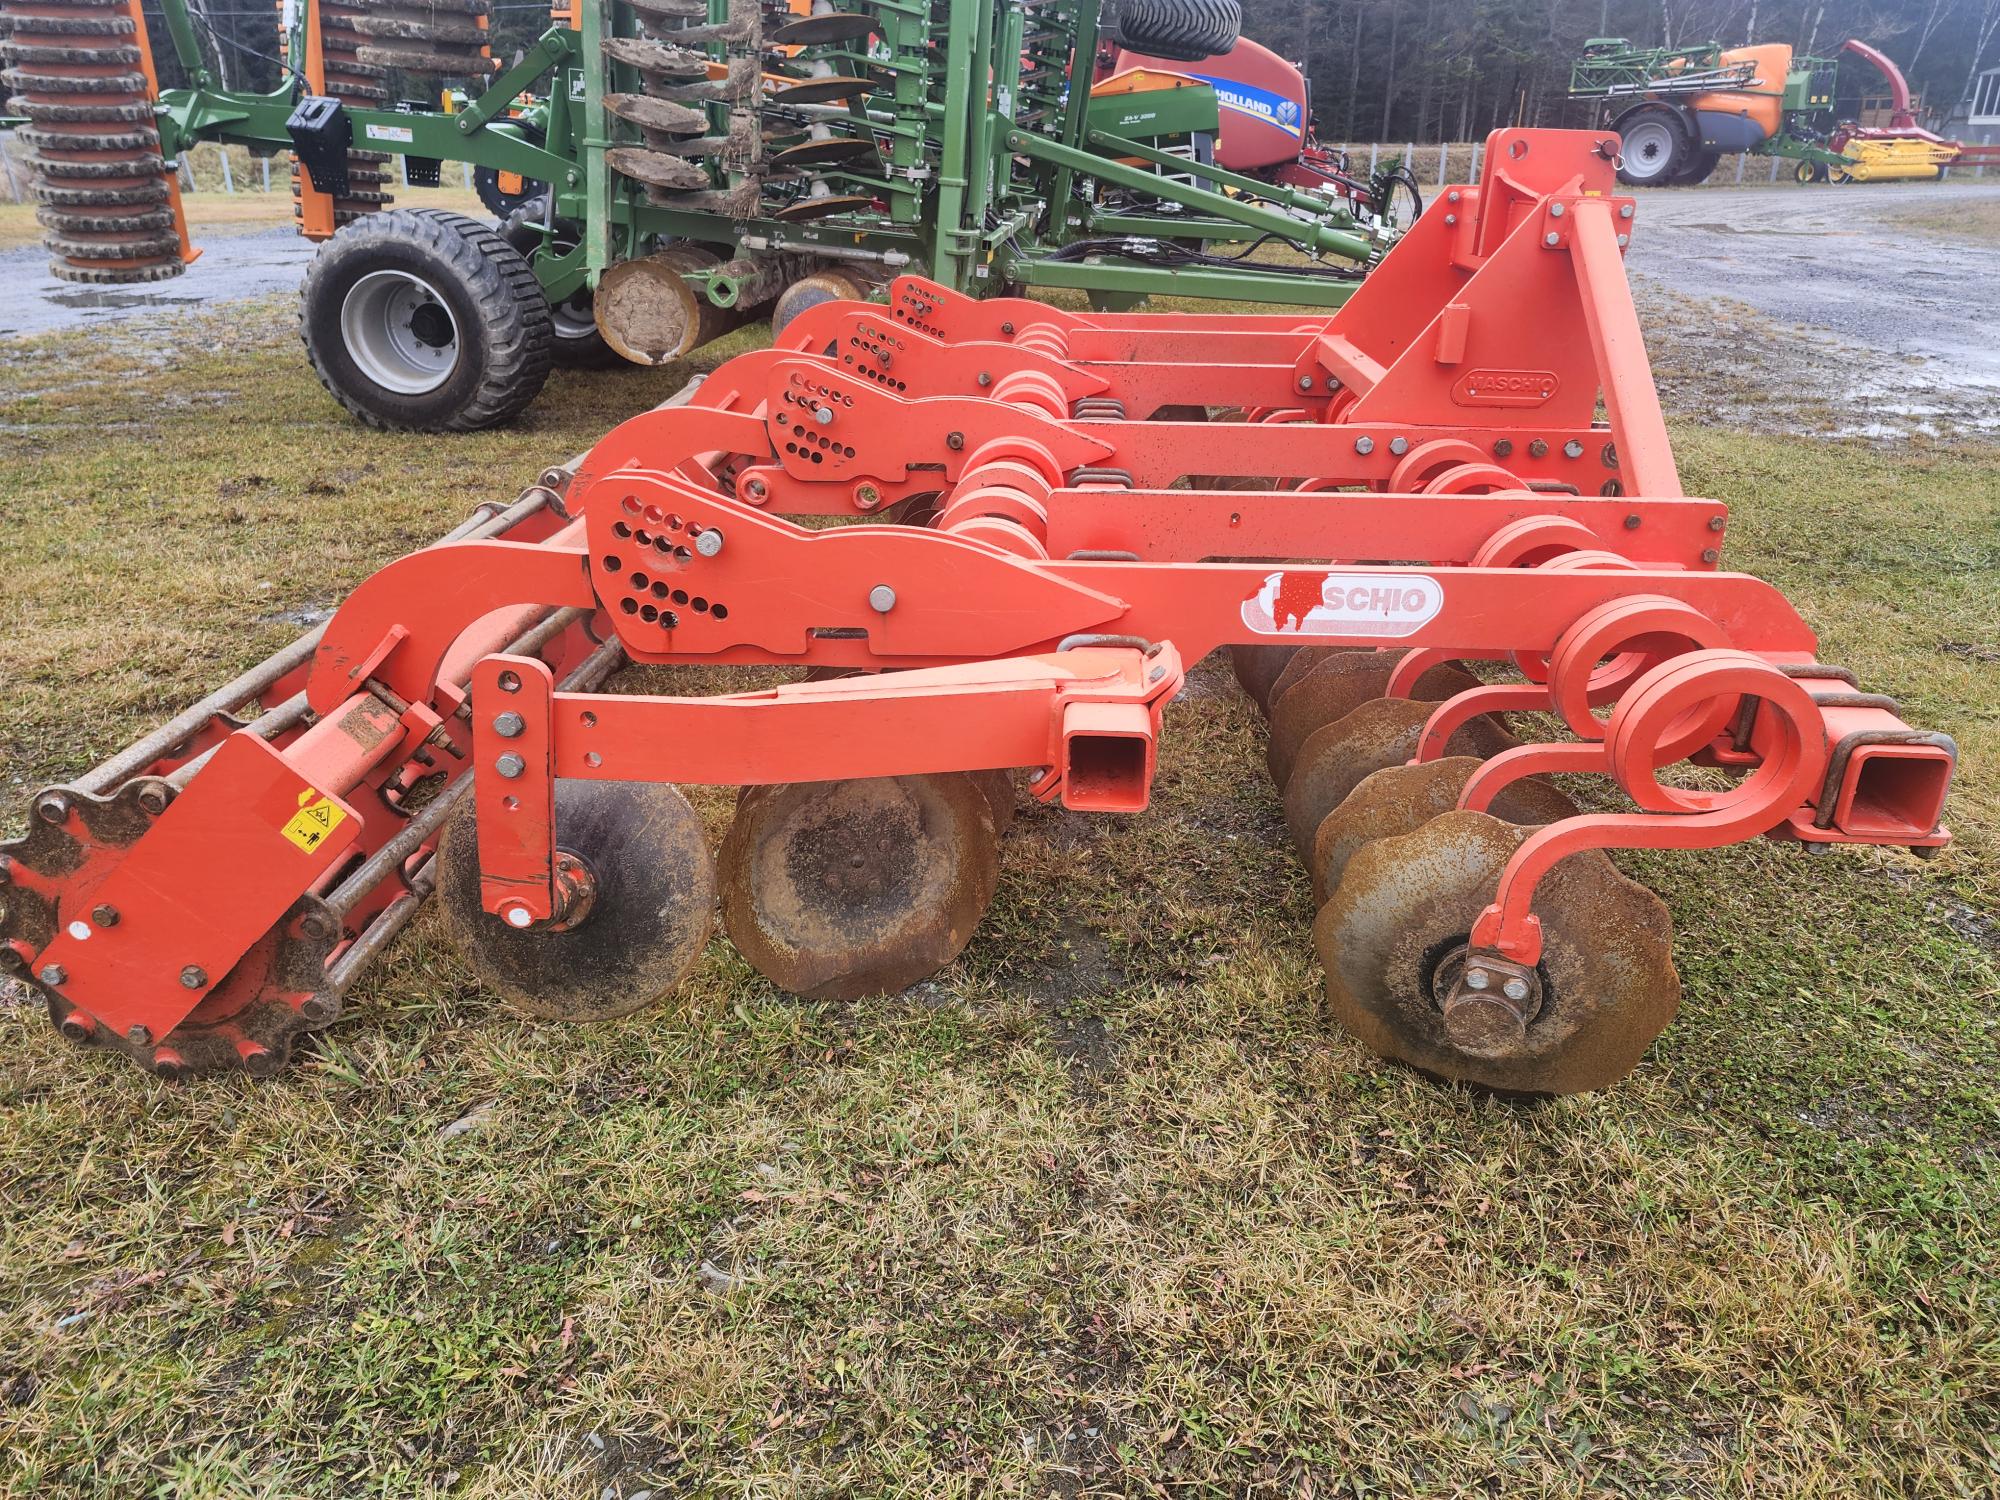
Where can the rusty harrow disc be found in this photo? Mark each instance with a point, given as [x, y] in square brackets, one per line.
[1394, 939]
[836, 890]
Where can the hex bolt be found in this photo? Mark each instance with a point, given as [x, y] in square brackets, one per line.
[510, 765]
[1555, 210]
[1710, 555]
[823, 415]
[1538, 448]
[509, 726]
[1515, 988]
[1399, 446]
[1477, 979]
[1632, 523]
[882, 598]
[1305, 382]
[1624, 240]
[194, 977]
[104, 914]
[54, 974]
[1624, 210]
[1451, 218]
[954, 441]
[1503, 447]
[1452, 196]
[1364, 446]
[139, 1036]
[709, 543]
[1572, 449]
[1552, 239]
[986, 377]
[1715, 523]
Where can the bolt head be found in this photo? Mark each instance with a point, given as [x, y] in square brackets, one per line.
[1451, 218]
[1555, 210]
[1572, 449]
[194, 977]
[823, 415]
[1624, 210]
[1364, 445]
[1452, 196]
[509, 726]
[954, 441]
[1710, 555]
[1552, 239]
[882, 598]
[139, 1036]
[1477, 979]
[709, 542]
[985, 377]
[1305, 382]
[1515, 988]
[1399, 446]
[53, 974]
[510, 765]
[1715, 523]
[104, 914]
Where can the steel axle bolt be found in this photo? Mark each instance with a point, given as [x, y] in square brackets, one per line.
[54, 974]
[510, 765]
[509, 726]
[193, 977]
[882, 598]
[709, 543]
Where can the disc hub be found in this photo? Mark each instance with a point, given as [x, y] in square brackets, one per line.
[1488, 1002]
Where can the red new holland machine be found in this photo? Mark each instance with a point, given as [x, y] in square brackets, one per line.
[987, 538]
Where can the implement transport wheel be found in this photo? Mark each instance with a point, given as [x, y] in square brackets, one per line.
[1393, 940]
[1401, 799]
[1184, 30]
[420, 320]
[838, 889]
[648, 913]
[1373, 735]
[1656, 146]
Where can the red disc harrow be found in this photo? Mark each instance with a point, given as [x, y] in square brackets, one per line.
[1409, 523]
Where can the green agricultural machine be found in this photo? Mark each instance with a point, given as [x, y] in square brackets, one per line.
[667, 169]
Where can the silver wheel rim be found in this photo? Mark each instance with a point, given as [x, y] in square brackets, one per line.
[399, 332]
[573, 318]
[1648, 149]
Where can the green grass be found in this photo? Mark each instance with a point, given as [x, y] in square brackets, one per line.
[1103, 1209]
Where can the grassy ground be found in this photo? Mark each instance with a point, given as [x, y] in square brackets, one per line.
[1103, 1209]
[1975, 221]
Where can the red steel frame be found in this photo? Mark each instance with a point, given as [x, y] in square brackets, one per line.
[1444, 423]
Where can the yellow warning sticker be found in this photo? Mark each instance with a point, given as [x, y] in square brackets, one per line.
[317, 817]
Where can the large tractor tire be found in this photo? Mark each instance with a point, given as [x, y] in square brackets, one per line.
[420, 320]
[1656, 146]
[1184, 30]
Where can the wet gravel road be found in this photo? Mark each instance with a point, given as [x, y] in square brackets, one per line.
[1830, 300]
[250, 263]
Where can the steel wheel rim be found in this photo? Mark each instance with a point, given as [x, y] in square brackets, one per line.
[399, 332]
[1650, 146]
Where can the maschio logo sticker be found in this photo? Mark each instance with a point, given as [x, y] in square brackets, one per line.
[1316, 603]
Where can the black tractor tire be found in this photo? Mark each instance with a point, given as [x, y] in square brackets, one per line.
[1184, 30]
[421, 320]
[486, 181]
[1698, 167]
[1655, 146]
[577, 343]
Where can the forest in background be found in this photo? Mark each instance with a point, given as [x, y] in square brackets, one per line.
[1416, 70]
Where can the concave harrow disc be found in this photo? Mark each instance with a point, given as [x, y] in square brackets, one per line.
[648, 916]
[1393, 939]
[835, 890]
